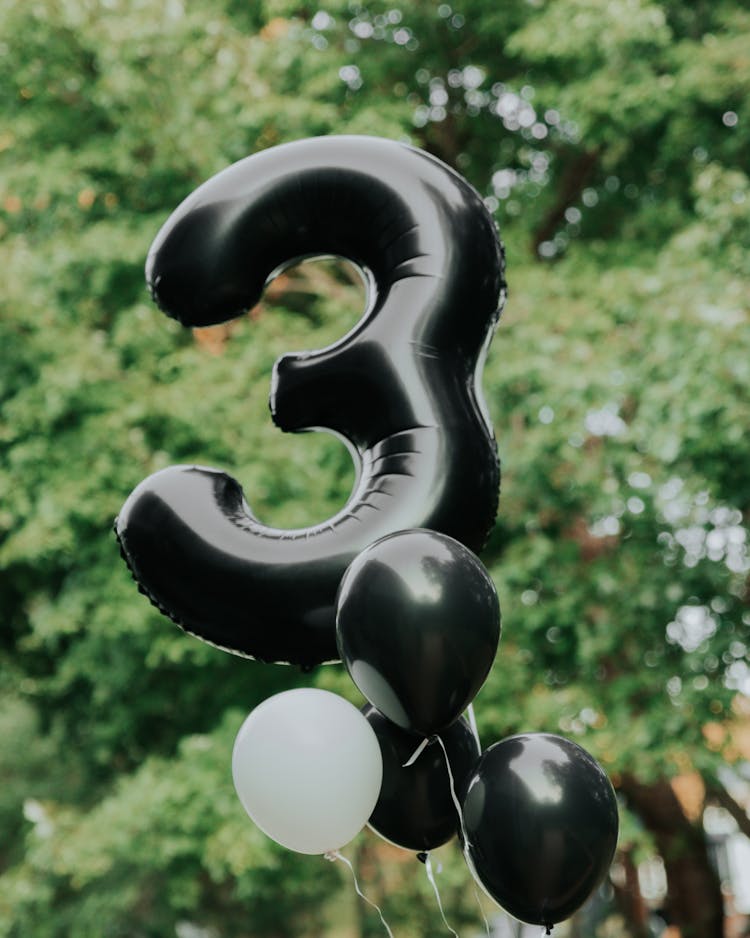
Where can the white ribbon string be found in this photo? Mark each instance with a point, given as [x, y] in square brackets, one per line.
[431, 877]
[416, 754]
[454, 796]
[335, 855]
[473, 724]
[464, 836]
[481, 909]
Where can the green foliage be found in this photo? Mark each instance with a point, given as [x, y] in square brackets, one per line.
[612, 138]
[623, 510]
[168, 839]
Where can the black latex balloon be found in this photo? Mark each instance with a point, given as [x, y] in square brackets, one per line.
[417, 625]
[540, 818]
[402, 386]
[415, 809]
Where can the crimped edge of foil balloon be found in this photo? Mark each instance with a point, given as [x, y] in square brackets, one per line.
[304, 666]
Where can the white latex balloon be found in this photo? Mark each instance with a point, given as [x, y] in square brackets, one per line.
[307, 768]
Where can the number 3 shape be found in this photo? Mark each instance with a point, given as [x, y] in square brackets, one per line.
[402, 386]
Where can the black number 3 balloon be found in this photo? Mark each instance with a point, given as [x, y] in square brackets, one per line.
[402, 386]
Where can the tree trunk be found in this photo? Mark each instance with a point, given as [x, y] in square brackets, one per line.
[630, 901]
[573, 181]
[694, 901]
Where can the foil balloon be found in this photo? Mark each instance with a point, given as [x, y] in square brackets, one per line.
[417, 624]
[540, 822]
[402, 387]
[415, 809]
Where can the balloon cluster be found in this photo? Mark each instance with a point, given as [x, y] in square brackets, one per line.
[391, 585]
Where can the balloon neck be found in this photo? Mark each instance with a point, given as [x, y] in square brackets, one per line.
[422, 857]
[547, 928]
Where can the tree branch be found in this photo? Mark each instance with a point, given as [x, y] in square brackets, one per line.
[718, 793]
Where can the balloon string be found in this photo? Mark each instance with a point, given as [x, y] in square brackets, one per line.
[431, 877]
[473, 724]
[336, 855]
[481, 909]
[416, 754]
[454, 796]
[464, 835]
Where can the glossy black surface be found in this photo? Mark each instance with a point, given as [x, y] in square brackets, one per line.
[415, 809]
[402, 386]
[541, 821]
[417, 625]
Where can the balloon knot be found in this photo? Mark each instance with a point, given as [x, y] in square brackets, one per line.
[331, 856]
[422, 856]
[306, 668]
[548, 928]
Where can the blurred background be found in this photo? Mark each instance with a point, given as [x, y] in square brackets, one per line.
[611, 140]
